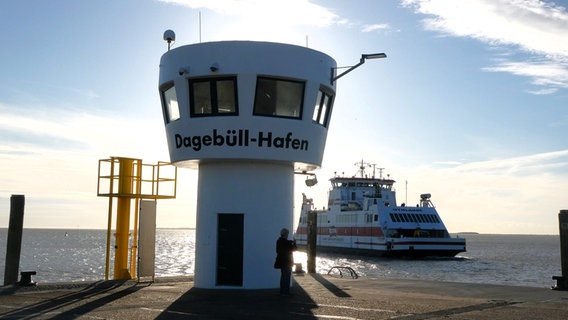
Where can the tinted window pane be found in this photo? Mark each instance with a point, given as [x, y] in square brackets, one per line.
[226, 96]
[201, 97]
[279, 98]
[317, 107]
[171, 104]
[324, 110]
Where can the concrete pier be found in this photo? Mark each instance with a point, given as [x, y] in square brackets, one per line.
[315, 297]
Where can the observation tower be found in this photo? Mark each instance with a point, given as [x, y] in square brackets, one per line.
[247, 115]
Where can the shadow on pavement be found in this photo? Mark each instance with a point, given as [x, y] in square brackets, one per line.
[241, 304]
[338, 292]
[97, 293]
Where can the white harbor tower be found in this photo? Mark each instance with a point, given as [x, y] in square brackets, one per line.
[247, 115]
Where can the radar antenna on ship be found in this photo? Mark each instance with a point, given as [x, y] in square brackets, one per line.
[362, 165]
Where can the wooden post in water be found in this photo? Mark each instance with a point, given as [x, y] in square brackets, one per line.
[312, 240]
[14, 241]
[562, 281]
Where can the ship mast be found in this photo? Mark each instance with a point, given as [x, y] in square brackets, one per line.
[362, 165]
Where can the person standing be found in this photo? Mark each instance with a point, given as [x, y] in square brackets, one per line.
[285, 260]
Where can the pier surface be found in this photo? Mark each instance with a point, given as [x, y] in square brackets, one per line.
[314, 297]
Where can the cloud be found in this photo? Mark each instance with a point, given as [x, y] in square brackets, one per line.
[49, 130]
[534, 164]
[375, 27]
[547, 73]
[535, 27]
[55, 153]
[489, 196]
[51, 155]
[290, 12]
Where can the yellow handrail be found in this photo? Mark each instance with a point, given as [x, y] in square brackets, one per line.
[128, 175]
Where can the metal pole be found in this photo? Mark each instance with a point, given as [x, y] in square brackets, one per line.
[562, 281]
[138, 187]
[109, 220]
[126, 172]
[312, 240]
[14, 241]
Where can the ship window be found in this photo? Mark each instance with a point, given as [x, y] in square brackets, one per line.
[213, 97]
[170, 103]
[420, 217]
[278, 98]
[392, 217]
[414, 219]
[347, 218]
[322, 109]
[436, 218]
[376, 217]
[405, 217]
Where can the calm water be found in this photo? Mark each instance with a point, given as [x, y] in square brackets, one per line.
[79, 255]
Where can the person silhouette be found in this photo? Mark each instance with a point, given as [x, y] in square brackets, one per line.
[285, 260]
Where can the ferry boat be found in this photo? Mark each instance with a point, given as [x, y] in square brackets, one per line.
[363, 218]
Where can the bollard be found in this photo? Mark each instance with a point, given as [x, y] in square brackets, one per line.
[312, 241]
[562, 281]
[14, 241]
[26, 278]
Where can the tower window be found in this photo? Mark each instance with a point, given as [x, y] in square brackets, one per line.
[322, 108]
[213, 97]
[169, 102]
[278, 98]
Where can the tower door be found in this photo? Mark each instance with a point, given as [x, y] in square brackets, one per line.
[230, 228]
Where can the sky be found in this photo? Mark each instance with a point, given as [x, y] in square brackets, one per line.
[471, 104]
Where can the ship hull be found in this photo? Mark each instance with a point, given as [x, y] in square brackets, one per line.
[411, 248]
[417, 254]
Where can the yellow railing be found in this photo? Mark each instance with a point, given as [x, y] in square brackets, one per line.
[127, 179]
[148, 181]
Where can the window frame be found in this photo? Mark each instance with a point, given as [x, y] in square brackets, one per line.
[272, 78]
[165, 106]
[324, 95]
[213, 95]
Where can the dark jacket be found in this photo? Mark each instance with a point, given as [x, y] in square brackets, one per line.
[284, 256]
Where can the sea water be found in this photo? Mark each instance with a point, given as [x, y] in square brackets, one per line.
[79, 255]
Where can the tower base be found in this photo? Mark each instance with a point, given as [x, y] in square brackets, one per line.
[241, 207]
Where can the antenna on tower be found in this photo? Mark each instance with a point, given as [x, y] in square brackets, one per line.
[169, 37]
[199, 26]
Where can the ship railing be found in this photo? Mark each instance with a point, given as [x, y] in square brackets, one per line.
[341, 270]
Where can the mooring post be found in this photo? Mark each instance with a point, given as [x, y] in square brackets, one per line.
[312, 240]
[14, 241]
[562, 281]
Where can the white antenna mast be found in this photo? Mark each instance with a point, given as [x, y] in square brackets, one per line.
[199, 26]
